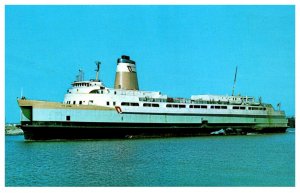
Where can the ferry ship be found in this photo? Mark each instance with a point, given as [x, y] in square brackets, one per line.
[91, 110]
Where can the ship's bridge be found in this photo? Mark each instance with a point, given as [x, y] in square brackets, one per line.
[85, 87]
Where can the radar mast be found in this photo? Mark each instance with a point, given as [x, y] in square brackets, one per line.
[97, 70]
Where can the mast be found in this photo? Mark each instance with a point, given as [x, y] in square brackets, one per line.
[234, 80]
[97, 70]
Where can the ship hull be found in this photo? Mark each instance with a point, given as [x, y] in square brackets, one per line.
[50, 121]
[74, 131]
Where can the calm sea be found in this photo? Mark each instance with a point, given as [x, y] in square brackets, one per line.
[255, 160]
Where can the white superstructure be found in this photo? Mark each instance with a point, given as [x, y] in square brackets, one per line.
[94, 92]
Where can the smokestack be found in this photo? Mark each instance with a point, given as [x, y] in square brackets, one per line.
[126, 77]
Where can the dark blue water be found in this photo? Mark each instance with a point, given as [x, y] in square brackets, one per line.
[257, 160]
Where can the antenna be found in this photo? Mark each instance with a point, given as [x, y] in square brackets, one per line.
[97, 70]
[234, 80]
[80, 76]
[279, 106]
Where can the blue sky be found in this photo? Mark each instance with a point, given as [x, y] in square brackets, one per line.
[179, 50]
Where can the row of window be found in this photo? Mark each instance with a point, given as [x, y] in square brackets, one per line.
[90, 102]
[114, 103]
[257, 108]
[174, 105]
[218, 107]
[198, 106]
[80, 102]
[150, 105]
[250, 108]
[130, 104]
[193, 106]
[83, 84]
[137, 104]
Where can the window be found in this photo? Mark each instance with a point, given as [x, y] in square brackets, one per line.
[235, 107]
[203, 107]
[91, 101]
[223, 107]
[115, 92]
[147, 105]
[80, 102]
[74, 102]
[181, 106]
[242, 108]
[94, 91]
[107, 103]
[169, 105]
[124, 104]
[155, 105]
[114, 103]
[68, 118]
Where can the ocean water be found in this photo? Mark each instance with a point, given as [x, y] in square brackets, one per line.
[214, 161]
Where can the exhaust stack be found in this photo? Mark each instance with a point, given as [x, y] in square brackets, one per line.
[126, 76]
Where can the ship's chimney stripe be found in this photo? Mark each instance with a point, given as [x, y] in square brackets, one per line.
[126, 67]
